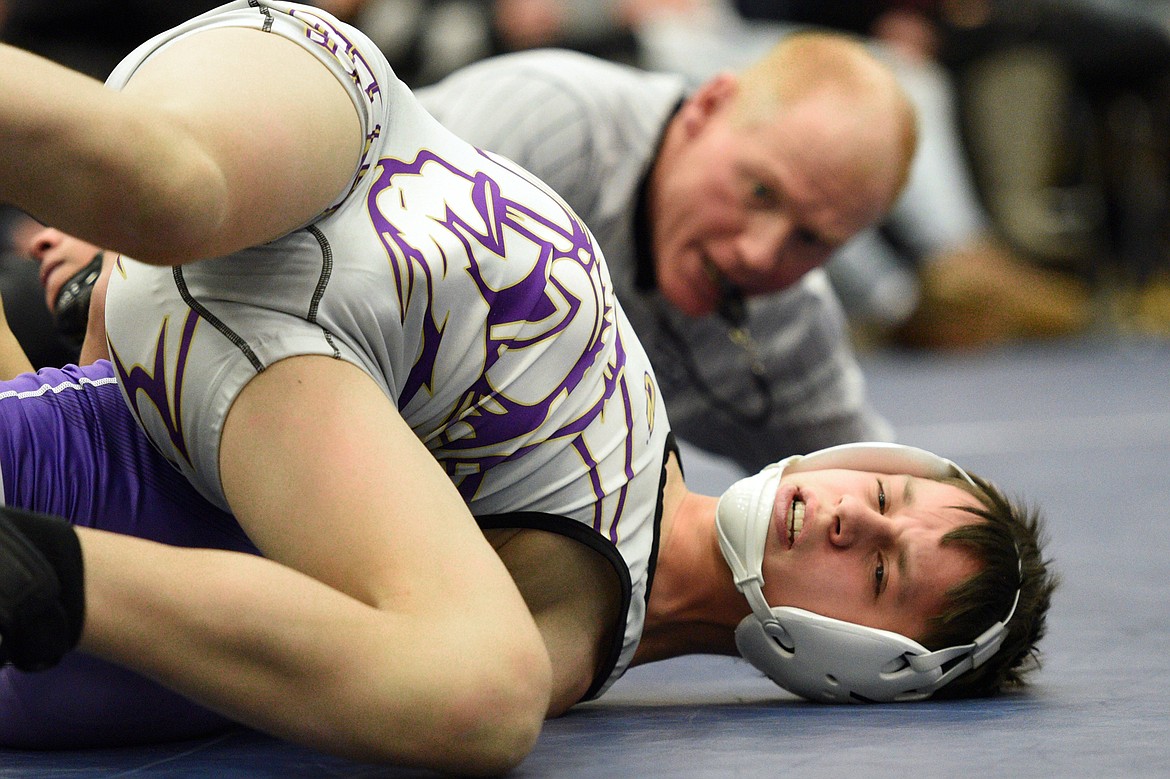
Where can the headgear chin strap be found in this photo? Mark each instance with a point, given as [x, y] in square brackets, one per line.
[71, 309]
[821, 658]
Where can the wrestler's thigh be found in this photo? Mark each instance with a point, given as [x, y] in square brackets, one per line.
[325, 476]
[185, 341]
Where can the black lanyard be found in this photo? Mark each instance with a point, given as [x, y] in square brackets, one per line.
[733, 311]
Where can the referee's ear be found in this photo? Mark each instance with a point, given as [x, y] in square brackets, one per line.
[713, 98]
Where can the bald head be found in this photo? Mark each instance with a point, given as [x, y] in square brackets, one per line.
[867, 110]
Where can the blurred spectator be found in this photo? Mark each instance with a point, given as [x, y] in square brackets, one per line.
[1065, 111]
[427, 39]
[1067, 105]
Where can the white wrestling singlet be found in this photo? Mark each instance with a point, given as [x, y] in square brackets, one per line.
[469, 291]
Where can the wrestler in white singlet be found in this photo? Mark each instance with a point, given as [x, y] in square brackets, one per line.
[468, 290]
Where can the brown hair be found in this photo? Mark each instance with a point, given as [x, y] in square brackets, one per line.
[1008, 540]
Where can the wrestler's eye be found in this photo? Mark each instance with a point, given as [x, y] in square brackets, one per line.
[881, 496]
[879, 576]
[764, 194]
[808, 238]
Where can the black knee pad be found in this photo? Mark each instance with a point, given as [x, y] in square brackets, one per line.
[42, 593]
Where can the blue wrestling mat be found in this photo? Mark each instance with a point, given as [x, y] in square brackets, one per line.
[1082, 429]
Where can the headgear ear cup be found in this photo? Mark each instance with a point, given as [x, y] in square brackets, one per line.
[831, 661]
[818, 657]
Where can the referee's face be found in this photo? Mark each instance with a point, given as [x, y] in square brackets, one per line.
[757, 204]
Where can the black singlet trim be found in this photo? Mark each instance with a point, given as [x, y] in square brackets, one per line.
[322, 283]
[214, 321]
[311, 315]
[670, 448]
[577, 531]
[265, 11]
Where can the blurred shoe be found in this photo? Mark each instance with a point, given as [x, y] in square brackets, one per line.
[1060, 225]
[982, 296]
[1151, 310]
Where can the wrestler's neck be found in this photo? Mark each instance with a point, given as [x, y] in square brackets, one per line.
[694, 606]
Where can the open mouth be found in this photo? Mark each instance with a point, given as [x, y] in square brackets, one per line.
[47, 268]
[795, 519]
[711, 270]
[50, 283]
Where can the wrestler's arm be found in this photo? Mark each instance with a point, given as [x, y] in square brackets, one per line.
[94, 346]
[402, 638]
[576, 602]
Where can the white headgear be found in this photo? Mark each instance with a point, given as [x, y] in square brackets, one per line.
[818, 657]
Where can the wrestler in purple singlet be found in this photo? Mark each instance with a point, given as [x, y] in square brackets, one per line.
[69, 447]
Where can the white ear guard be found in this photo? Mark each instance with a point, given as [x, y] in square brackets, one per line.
[818, 657]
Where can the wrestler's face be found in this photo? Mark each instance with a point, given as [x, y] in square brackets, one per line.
[866, 547]
[758, 204]
[60, 256]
